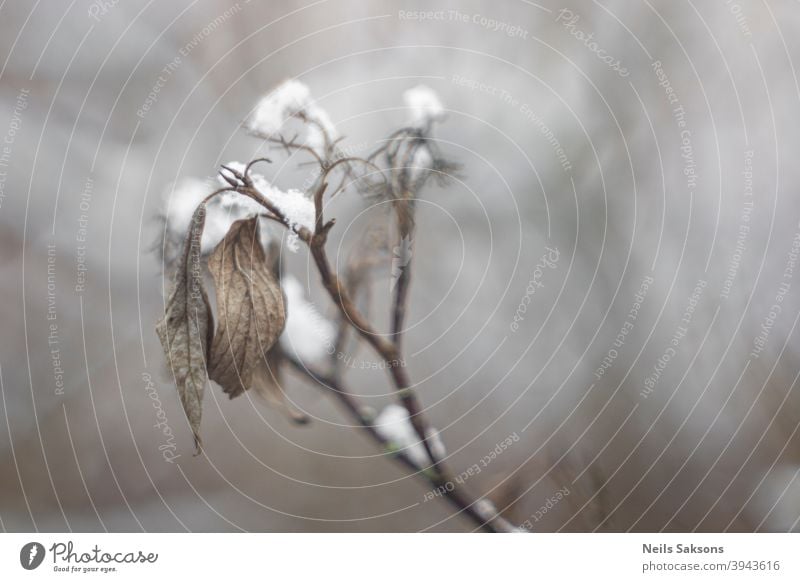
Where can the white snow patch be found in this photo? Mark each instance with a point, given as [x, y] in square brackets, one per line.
[424, 104]
[307, 334]
[394, 425]
[180, 202]
[291, 99]
[286, 100]
[294, 205]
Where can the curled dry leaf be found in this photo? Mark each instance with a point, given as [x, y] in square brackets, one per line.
[186, 327]
[250, 308]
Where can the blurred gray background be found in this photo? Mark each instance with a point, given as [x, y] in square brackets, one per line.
[713, 445]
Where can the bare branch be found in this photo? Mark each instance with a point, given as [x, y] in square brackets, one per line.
[438, 481]
[293, 145]
[401, 187]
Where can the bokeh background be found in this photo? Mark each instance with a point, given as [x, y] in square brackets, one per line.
[565, 141]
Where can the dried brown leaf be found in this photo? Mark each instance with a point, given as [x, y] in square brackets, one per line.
[186, 327]
[250, 307]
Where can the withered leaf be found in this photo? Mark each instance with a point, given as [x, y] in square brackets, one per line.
[185, 330]
[250, 307]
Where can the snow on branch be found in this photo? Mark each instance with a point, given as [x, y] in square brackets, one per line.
[424, 105]
[296, 207]
[292, 100]
[307, 335]
[394, 425]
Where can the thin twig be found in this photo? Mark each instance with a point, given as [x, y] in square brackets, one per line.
[454, 495]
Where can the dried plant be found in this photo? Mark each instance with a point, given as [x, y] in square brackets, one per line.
[243, 349]
[187, 325]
